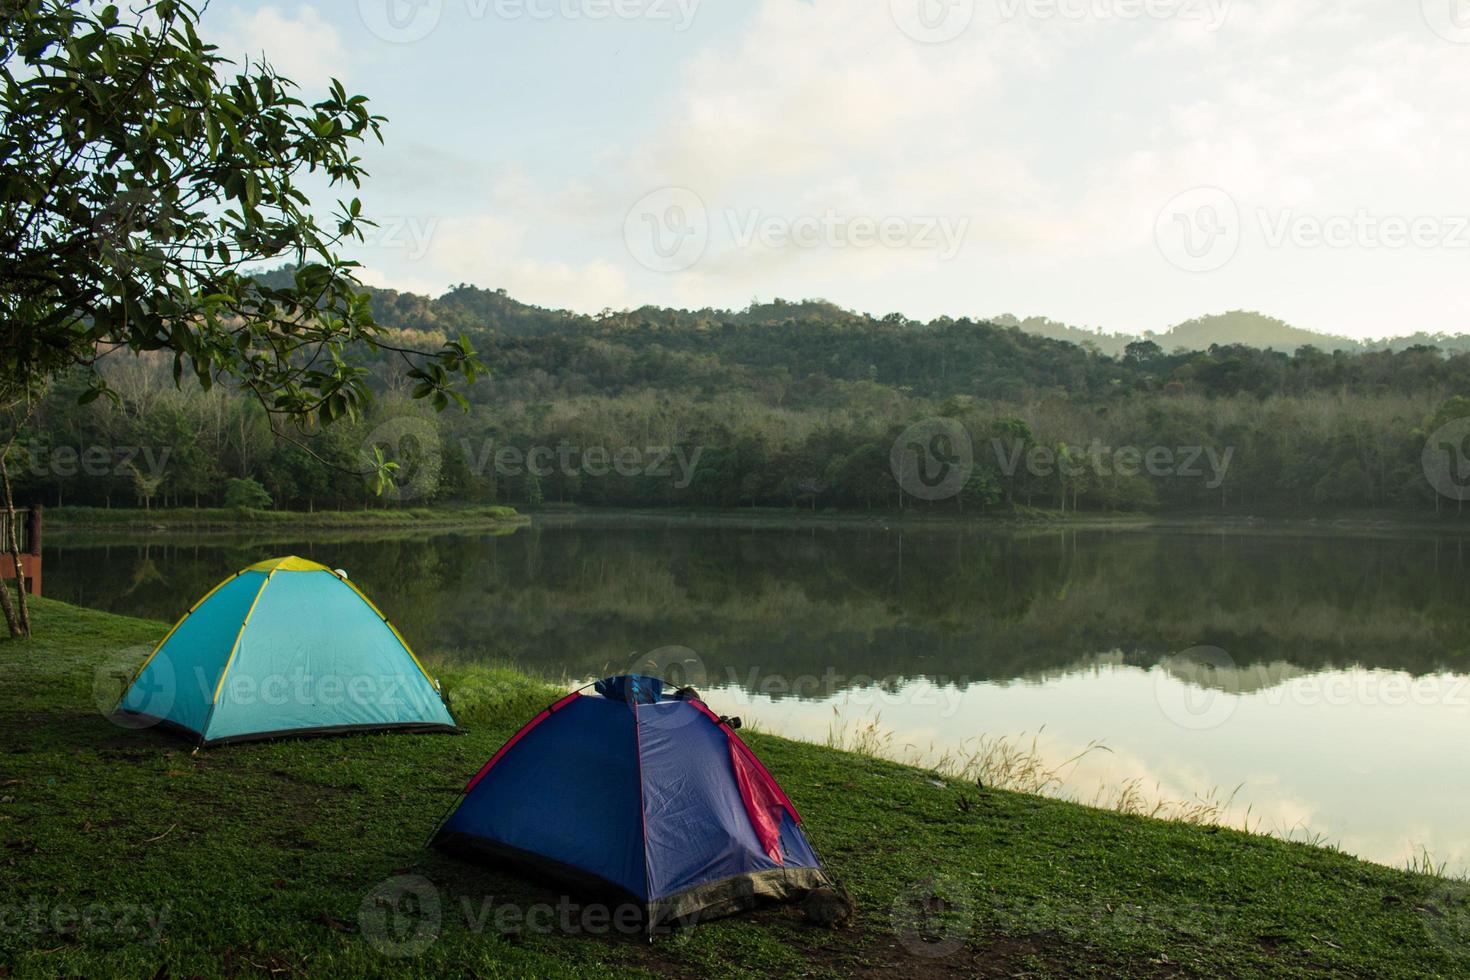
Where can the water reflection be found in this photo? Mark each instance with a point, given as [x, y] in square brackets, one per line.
[1382, 778]
[1334, 695]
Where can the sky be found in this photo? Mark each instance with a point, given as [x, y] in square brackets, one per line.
[1114, 164]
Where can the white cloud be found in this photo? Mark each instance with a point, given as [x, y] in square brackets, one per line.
[384, 277]
[591, 287]
[427, 254]
[1058, 140]
[300, 45]
[1061, 140]
[468, 248]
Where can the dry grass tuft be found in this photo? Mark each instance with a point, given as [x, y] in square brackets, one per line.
[1018, 764]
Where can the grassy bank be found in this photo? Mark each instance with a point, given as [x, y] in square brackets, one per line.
[259, 859]
[66, 518]
[1023, 518]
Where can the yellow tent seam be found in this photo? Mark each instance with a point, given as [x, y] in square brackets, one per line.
[290, 563]
[387, 622]
[238, 637]
[170, 634]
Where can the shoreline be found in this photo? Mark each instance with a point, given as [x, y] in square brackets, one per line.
[271, 851]
[68, 519]
[65, 520]
[1346, 524]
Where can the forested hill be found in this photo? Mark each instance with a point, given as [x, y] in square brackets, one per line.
[469, 309]
[773, 343]
[787, 343]
[1237, 327]
[791, 404]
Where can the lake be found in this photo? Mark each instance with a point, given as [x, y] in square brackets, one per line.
[1319, 684]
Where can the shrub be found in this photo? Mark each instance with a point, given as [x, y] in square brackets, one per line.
[247, 494]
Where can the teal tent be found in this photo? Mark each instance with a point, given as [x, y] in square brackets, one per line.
[284, 647]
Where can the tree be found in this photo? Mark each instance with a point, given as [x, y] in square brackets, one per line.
[247, 494]
[145, 484]
[1446, 461]
[532, 489]
[1142, 352]
[142, 178]
[14, 397]
[980, 490]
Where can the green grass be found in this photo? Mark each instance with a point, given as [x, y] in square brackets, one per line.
[259, 859]
[211, 517]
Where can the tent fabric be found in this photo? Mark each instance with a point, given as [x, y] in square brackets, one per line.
[568, 791]
[518, 736]
[284, 647]
[633, 689]
[761, 803]
[650, 802]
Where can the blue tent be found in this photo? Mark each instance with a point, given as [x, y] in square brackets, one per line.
[284, 647]
[647, 798]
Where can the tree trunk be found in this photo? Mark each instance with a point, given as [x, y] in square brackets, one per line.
[9, 609]
[14, 547]
[19, 622]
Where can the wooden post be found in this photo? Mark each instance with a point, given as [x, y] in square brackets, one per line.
[33, 548]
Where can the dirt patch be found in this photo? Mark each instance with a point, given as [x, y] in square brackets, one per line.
[871, 953]
[1011, 956]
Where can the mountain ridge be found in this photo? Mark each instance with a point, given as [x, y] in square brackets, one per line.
[496, 309]
[1244, 327]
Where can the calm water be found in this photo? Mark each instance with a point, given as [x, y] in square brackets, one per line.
[1327, 677]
